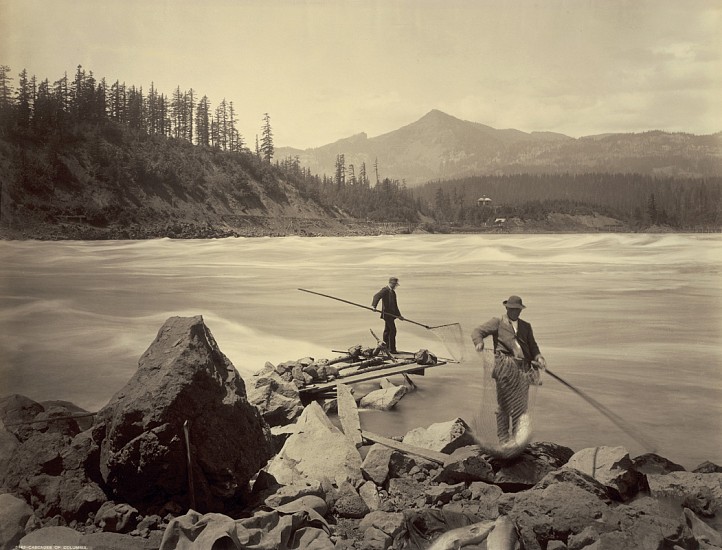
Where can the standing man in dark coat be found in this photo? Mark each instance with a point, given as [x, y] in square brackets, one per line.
[389, 312]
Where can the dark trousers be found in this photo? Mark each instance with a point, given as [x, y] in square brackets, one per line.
[390, 333]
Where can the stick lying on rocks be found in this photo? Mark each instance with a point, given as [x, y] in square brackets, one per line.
[428, 454]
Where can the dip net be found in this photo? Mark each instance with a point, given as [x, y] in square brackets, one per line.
[503, 424]
[452, 337]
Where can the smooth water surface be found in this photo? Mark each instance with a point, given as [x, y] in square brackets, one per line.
[632, 320]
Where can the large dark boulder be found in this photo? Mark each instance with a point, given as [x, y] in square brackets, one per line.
[182, 378]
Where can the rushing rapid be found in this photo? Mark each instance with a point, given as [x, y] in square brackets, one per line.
[633, 320]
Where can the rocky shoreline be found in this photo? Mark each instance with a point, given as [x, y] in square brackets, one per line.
[189, 455]
[267, 226]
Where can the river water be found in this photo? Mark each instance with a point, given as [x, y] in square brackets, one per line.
[632, 320]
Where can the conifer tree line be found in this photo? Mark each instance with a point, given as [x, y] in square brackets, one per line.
[46, 106]
[350, 190]
[681, 203]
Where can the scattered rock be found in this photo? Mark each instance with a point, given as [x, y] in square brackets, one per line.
[289, 493]
[55, 419]
[375, 465]
[531, 466]
[701, 493]
[17, 412]
[443, 493]
[701, 531]
[444, 437]
[348, 502]
[54, 537]
[577, 478]
[612, 467]
[13, 518]
[391, 523]
[277, 399]
[375, 539]
[707, 467]
[561, 508]
[465, 464]
[370, 494]
[318, 450]
[383, 399]
[117, 518]
[652, 463]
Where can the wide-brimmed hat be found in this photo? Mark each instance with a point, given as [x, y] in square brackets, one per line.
[394, 280]
[514, 302]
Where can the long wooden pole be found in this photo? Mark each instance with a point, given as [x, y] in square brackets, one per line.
[615, 418]
[372, 309]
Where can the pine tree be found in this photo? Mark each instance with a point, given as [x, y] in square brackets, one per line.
[24, 107]
[203, 130]
[177, 113]
[652, 209]
[44, 112]
[362, 176]
[267, 139]
[61, 90]
[6, 89]
[340, 177]
[190, 105]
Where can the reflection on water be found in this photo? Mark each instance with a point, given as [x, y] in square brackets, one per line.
[633, 320]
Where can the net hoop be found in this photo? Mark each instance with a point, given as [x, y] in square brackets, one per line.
[452, 337]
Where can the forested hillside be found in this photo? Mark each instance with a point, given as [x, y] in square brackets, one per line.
[84, 159]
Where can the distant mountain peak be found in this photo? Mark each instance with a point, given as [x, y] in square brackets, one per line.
[442, 146]
[436, 115]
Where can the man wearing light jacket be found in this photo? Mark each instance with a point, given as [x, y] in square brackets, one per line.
[516, 358]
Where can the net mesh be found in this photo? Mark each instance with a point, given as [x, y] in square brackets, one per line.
[452, 337]
[504, 421]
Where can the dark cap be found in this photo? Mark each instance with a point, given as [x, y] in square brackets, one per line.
[394, 280]
[514, 302]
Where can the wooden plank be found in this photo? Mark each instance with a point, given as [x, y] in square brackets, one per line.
[409, 382]
[382, 366]
[366, 376]
[428, 454]
[348, 414]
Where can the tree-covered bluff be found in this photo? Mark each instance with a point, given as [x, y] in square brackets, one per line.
[83, 159]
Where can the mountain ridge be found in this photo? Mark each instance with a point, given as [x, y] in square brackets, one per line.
[441, 146]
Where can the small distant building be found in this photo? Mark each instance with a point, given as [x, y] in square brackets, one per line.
[500, 221]
[483, 201]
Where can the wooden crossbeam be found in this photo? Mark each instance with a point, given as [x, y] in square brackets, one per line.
[428, 454]
[366, 376]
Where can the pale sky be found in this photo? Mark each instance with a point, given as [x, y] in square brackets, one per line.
[325, 70]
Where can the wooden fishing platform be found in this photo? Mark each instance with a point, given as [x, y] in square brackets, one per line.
[401, 363]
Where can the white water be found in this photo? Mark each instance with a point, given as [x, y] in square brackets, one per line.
[632, 320]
